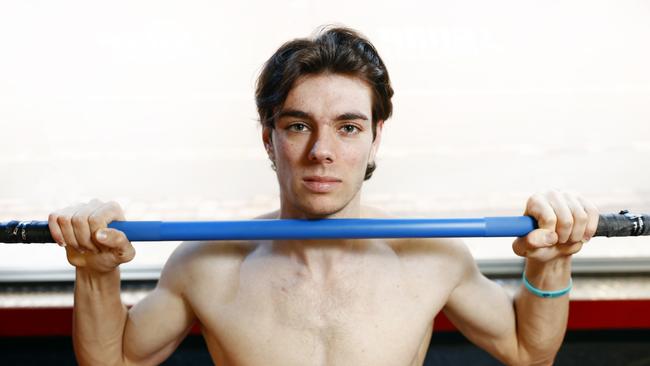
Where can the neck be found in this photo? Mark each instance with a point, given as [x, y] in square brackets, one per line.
[320, 257]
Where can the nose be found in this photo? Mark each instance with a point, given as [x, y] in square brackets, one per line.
[322, 149]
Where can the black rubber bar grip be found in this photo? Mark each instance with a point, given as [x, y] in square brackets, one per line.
[623, 223]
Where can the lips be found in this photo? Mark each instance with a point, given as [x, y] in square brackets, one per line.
[321, 184]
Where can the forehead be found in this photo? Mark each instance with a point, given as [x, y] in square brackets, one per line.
[329, 94]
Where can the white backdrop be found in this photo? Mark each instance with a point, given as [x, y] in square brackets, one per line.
[151, 103]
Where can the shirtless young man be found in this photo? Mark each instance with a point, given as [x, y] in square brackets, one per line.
[322, 103]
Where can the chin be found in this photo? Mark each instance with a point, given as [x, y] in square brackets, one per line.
[321, 208]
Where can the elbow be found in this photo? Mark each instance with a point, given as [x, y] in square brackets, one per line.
[543, 362]
[89, 361]
[540, 353]
[524, 358]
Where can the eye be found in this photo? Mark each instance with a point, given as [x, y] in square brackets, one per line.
[298, 127]
[350, 129]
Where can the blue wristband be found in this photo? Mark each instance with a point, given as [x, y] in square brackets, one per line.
[545, 294]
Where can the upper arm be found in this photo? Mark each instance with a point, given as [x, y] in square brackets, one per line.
[481, 309]
[159, 322]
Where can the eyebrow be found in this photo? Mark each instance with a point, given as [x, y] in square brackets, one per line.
[348, 116]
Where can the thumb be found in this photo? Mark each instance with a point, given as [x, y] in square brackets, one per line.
[111, 238]
[541, 238]
[118, 244]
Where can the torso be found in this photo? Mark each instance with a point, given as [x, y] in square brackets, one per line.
[260, 309]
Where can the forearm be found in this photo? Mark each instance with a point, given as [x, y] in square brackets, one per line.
[541, 322]
[99, 318]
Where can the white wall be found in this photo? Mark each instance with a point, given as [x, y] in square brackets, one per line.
[151, 103]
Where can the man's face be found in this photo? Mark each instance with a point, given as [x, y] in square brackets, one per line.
[322, 143]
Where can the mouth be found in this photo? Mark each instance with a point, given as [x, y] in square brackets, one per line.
[321, 184]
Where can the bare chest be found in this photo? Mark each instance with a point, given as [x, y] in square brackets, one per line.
[375, 313]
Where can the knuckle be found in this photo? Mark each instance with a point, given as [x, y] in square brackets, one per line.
[569, 195]
[77, 221]
[535, 198]
[52, 218]
[111, 210]
[123, 239]
[113, 205]
[95, 220]
[576, 236]
[63, 220]
[119, 235]
[591, 231]
[534, 202]
[554, 193]
[581, 216]
[564, 222]
[550, 220]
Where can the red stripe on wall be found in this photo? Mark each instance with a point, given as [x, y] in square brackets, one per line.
[592, 315]
[583, 315]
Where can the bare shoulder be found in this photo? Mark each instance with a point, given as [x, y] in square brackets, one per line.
[453, 250]
[450, 254]
[196, 252]
[193, 261]
[448, 260]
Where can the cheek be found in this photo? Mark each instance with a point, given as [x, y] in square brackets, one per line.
[289, 153]
[355, 156]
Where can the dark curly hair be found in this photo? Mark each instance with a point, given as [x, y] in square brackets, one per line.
[336, 50]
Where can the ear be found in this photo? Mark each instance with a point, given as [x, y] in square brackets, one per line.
[375, 144]
[268, 140]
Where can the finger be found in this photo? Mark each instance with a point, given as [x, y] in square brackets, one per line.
[111, 238]
[564, 216]
[533, 242]
[540, 238]
[520, 247]
[65, 224]
[103, 215]
[53, 223]
[117, 242]
[55, 230]
[125, 254]
[539, 208]
[96, 221]
[82, 228]
[580, 218]
[594, 216]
